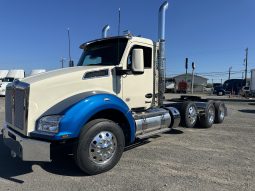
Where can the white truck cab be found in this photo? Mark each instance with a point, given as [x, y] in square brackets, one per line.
[3, 74]
[10, 77]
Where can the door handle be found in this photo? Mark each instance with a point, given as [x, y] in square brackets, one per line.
[149, 95]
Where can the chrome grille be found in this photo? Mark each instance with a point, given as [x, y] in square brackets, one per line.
[16, 105]
[8, 104]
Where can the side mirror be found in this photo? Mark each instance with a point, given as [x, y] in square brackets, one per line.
[137, 61]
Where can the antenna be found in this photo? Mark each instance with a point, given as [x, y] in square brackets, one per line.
[69, 48]
[119, 24]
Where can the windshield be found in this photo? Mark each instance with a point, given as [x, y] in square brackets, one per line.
[7, 79]
[103, 53]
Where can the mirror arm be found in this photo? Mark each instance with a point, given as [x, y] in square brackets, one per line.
[119, 71]
[134, 72]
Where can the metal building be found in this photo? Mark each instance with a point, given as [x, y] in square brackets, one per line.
[199, 81]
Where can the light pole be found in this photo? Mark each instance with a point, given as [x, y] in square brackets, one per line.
[229, 70]
[192, 82]
[246, 63]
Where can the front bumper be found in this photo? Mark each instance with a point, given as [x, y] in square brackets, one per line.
[25, 148]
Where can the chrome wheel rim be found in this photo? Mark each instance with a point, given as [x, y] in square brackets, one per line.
[211, 114]
[192, 115]
[102, 147]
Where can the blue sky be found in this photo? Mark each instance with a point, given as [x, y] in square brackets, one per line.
[212, 33]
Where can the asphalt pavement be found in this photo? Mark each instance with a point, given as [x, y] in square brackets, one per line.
[218, 158]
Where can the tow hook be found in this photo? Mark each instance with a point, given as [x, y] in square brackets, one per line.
[13, 154]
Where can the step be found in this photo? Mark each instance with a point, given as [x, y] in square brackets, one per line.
[147, 135]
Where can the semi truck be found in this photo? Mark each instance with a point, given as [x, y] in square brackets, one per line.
[10, 77]
[3, 74]
[113, 98]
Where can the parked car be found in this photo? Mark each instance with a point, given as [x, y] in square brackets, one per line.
[245, 91]
[219, 90]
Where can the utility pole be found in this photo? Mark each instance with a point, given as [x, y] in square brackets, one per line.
[192, 82]
[62, 60]
[246, 63]
[229, 70]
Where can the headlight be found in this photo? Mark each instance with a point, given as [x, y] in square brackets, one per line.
[49, 123]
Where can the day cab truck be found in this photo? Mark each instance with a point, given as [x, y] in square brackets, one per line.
[113, 98]
[9, 78]
[3, 74]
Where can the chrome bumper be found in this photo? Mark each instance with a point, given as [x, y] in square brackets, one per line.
[26, 149]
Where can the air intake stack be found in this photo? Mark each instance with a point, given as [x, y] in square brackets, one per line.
[161, 56]
[105, 30]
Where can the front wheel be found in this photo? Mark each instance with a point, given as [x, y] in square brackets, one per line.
[100, 146]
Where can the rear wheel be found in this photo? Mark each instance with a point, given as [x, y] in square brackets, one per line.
[207, 120]
[188, 114]
[219, 112]
[100, 146]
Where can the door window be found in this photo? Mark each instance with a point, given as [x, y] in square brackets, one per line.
[147, 56]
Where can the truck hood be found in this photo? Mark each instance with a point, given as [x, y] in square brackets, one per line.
[52, 88]
[71, 73]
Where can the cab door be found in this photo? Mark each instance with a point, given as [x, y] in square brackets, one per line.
[137, 89]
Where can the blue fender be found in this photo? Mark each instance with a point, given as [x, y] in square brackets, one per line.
[78, 115]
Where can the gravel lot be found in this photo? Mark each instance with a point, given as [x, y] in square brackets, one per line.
[219, 158]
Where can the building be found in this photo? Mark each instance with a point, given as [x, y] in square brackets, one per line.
[199, 81]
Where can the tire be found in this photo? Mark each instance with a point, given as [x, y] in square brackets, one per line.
[100, 146]
[188, 114]
[219, 112]
[207, 120]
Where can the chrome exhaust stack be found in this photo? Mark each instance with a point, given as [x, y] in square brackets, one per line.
[161, 56]
[105, 30]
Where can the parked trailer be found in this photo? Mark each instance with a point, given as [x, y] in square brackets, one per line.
[252, 82]
[113, 98]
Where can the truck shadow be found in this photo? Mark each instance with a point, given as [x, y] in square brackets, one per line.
[62, 164]
[247, 111]
[12, 167]
[9, 167]
[174, 132]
